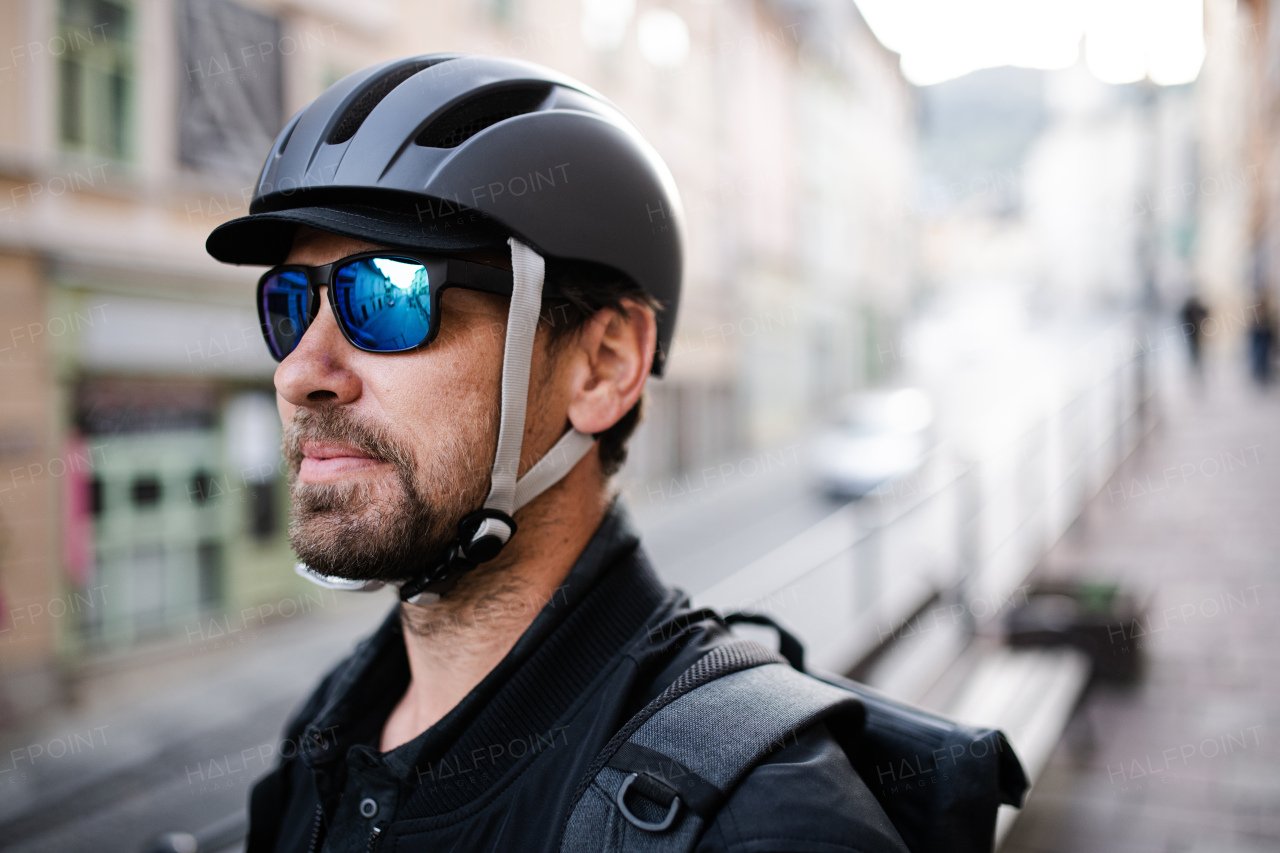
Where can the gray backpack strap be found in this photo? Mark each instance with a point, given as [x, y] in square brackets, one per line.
[660, 781]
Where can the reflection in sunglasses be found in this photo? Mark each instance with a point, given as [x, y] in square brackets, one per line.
[402, 274]
[385, 302]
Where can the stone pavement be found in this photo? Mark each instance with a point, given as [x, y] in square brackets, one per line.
[1189, 760]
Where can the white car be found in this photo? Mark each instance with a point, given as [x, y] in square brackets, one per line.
[877, 436]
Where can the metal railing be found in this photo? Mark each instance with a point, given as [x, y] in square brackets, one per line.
[965, 533]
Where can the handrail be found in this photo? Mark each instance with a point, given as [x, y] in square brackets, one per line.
[765, 569]
[1082, 435]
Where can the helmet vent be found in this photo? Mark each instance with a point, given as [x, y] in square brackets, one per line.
[464, 121]
[371, 97]
[285, 142]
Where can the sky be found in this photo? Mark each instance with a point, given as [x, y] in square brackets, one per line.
[1124, 40]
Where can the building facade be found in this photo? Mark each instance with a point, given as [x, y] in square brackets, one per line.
[1238, 190]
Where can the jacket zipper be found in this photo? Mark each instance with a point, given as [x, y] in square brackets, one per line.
[315, 828]
[375, 837]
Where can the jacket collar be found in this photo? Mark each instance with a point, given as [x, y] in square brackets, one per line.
[609, 595]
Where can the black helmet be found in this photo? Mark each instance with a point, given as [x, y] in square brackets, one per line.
[453, 153]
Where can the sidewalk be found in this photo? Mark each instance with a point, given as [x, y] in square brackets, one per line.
[1190, 759]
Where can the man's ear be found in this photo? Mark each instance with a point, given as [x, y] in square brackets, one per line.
[610, 364]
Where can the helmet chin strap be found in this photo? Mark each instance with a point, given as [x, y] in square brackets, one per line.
[483, 533]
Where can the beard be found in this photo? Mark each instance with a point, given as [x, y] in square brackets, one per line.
[379, 529]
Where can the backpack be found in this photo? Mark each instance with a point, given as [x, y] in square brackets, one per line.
[661, 779]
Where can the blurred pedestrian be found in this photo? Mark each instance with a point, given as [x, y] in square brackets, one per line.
[1262, 335]
[1194, 313]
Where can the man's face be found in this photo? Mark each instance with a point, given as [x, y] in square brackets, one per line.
[387, 452]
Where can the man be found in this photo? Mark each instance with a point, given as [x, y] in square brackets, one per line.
[1194, 313]
[478, 269]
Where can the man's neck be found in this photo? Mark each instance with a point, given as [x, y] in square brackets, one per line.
[454, 643]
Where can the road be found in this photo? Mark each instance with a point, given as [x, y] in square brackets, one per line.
[701, 527]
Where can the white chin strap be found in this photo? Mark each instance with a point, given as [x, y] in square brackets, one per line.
[507, 494]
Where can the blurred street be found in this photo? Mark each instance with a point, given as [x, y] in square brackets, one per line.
[1052, 228]
[171, 743]
[1186, 760]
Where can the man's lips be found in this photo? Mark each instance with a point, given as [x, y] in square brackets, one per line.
[325, 463]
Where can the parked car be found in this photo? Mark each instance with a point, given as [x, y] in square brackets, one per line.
[876, 437]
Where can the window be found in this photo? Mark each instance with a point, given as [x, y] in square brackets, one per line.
[97, 497]
[502, 10]
[146, 491]
[95, 78]
[263, 522]
[210, 578]
[231, 100]
[201, 486]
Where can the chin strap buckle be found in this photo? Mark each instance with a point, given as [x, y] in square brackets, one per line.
[483, 534]
[481, 537]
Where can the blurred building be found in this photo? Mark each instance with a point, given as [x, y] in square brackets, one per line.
[141, 491]
[1109, 193]
[1238, 187]
[1077, 193]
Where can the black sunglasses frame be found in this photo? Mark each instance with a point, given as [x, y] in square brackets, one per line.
[452, 273]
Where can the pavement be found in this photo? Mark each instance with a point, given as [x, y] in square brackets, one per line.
[1189, 759]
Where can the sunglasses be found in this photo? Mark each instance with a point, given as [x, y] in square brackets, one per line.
[383, 301]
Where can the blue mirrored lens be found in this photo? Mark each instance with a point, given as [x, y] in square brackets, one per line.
[284, 311]
[385, 303]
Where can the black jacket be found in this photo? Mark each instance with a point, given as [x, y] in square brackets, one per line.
[498, 773]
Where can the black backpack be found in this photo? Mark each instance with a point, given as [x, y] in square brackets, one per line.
[939, 782]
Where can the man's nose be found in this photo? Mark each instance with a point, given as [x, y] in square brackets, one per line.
[319, 370]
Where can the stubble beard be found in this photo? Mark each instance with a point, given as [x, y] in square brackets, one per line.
[380, 529]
